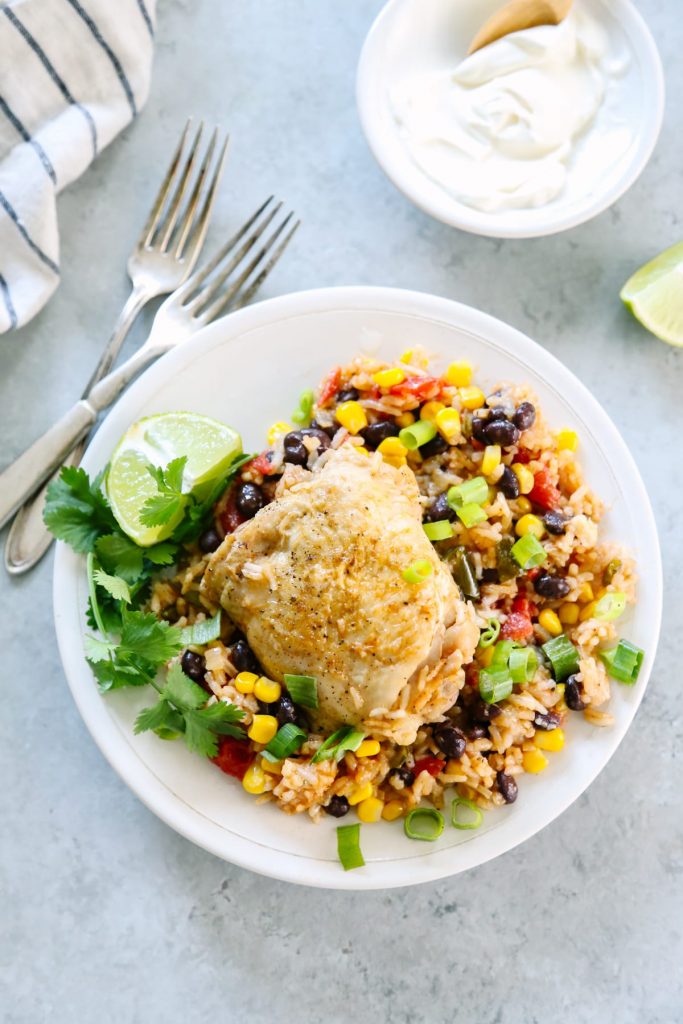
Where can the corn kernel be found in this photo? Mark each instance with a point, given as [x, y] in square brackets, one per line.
[352, 416]
[448, 424]
[360, 793]
[491, 460]
[524, 505]
[585, 593]
[389, 378]
[415, 357]
[568, 440]
[254, 780]
[492, 495]
[368, 748]
[549, 621]
[267, 690]
[370, 810]
[472, 398]
[525, 477]
[407, 357]
[392, 810]
[529, 524]
[552, 740]
[278, 430]
[245, 682]
[430, 409]
[569, 613]
[262, 728]
[453, 767]
[486, 656]
[362, 449]
[405, 419]
[393, 451]
[459, 375]
[533, 761]
[272, 767]
[588, 611]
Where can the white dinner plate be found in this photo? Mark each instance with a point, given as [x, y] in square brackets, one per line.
[249, 370]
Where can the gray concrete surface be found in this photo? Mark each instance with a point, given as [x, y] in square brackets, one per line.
[106, 915]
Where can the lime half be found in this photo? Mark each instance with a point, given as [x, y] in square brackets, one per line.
[655, 295]
[210, 448]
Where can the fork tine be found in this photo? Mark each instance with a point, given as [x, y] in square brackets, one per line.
[209, 290]
[164, 191]
[202, 220]
[252, 288]
[174, 207]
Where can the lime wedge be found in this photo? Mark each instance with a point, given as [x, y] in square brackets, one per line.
[655, 295]
[210, 448]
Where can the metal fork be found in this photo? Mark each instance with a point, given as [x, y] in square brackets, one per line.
[228, 281]
[164, 255]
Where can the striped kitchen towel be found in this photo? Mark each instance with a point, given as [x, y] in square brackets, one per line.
[73, 73]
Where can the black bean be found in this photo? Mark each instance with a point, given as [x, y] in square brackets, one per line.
[481, 712]
[378, 432]
[525, 416]
[497, 413]
[450, 740]
[508, 483]
[573, 694]
[440, 509]
[337, 807]
[507, 787]
[549, 720]
[319, 434]
[330, 431]
[502, 432]
[295, 451]
[404, 773]
[287, 711]
[250, 499]
[490, 576]
[477, 732]
[436, 446]
[243, 658]
[209, 540]
[347, 395]
[555, 522]
[551, 586]
[193, 665]
[479, 428]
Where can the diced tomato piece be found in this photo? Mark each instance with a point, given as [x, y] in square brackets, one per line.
[261, 464]
[433, 765]
[534, 573]
[524, 456]
[230, 516]
[329, 387]
[544, 491]
[234, 756]
[518, 625]
[424, 389]
[471, 675]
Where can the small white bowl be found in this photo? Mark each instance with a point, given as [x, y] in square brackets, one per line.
[425, 35]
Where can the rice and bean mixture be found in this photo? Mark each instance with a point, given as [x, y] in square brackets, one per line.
[506, 507]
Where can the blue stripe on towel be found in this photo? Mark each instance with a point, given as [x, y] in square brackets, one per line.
[52, 72]
[26, 136]
[11, 311]
[14, 216]
[116, 63]
[146, 18]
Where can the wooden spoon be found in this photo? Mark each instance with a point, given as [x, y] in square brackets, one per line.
[518, 15]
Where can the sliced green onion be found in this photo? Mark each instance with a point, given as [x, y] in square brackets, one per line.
[624, 661]
[202, 632]
[490, 634]
[463, 573]
[418, 572]
[494, 684]
[417, 434]
[471, 492]
[610, 606]
[302, 415]
[563, 657]
[523, 664]
[441, 530]
[506, 565]
[471, 514]
[501, 653]
[285, 742]
[528, 552]
[348, 846]
[425, 823]
[457, 822]
[346, 738]
[303, 690]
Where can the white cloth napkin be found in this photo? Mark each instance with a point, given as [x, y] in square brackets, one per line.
[73, 73]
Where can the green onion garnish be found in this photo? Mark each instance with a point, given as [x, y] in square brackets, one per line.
[285, 742]
[441, 530]
[501, 653]
[506, 565]
[494, 684]
[461, 823]
[463, 572]
[563, 657]
[425, 823]
[302, 415]
[528, 552]
[348, 846]
[202, 632]
[303, 690]
[471, 492]
[346, 738]
[624, 661]
[418, 572]
[522, 664]
[417, 434]
[610, 606]
[471, 514]
[490, 634]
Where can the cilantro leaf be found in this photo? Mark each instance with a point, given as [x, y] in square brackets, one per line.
[120, 555]
[97, 650]
[198, 512]
[161, 508]
[173, 475]
[76, 510]
[201, 727]
[164, 553]
[113, 675]
[158, 715]
[221, 717]
[145, 636]
[114, 585]
[202, 632]
[181, 691]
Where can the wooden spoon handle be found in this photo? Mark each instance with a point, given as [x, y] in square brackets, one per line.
[518, 15]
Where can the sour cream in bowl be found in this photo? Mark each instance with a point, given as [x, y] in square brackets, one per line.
[533, 134]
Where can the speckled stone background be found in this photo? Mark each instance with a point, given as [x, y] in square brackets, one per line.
[105, 914]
